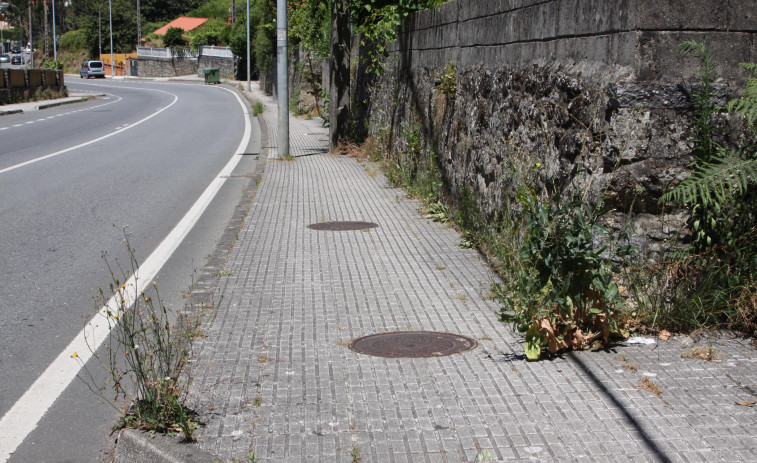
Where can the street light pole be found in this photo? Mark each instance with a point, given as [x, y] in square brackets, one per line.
[31, 42]
[282, 78]
[248, 45]
[112, 63]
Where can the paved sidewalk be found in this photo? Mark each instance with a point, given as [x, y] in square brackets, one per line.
[274, 377]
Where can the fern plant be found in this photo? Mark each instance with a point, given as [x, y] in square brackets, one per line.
[731, 172]
[746, 106]
[719, 175]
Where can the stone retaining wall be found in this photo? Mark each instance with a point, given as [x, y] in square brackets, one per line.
[594, 92]
[166, 67]
[173, 67]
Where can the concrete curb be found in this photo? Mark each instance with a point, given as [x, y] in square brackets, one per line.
[37, 105]
[61, 103]
[136, 446]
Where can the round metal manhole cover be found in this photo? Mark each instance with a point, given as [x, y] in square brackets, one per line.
[342, 226]
[412, 344]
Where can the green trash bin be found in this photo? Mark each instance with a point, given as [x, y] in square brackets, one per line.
[212, 76]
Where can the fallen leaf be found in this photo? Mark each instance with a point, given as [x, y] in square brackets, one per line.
[664, 335]
[746, 404]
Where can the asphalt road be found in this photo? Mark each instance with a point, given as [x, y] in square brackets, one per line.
[59, 214]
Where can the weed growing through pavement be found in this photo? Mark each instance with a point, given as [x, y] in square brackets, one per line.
[484, 456]
[634, 367]
[145, 354]
[357, 457]
[702, 353]
[257, 108]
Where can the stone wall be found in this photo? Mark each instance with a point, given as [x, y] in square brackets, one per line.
[166, 67]
[227, 66]
[590, 93]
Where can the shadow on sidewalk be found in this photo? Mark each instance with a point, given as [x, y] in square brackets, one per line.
[629, 418]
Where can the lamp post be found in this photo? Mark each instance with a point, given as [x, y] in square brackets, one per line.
[282, 80]
[248, 45]
[31, 42]
[112, 64]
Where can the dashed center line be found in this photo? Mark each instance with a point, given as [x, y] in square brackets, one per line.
[64, 114]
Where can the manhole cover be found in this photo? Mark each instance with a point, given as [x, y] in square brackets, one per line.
[342, 226]
[412, 344]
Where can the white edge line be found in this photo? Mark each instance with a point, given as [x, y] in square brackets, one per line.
[29, 409]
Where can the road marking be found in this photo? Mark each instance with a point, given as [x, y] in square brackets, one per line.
[25, 414]
[57, 153]
[63, 114]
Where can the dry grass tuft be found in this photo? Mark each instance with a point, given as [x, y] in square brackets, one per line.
[702, 353]
[649, 385]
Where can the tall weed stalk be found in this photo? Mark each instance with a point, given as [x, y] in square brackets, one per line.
[145, 354]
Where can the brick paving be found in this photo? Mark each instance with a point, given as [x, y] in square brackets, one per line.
[274, 377]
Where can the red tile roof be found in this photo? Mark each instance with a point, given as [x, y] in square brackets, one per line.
[183, 22]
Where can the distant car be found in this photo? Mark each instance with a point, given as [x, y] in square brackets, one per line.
[17, 59]
[16, 50]
[92, 69]
[5, 58]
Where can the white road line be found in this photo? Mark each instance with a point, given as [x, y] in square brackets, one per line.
[116, 132]
[25, 414]
[63, 114]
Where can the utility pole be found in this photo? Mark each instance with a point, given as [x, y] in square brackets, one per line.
[55, 40]
[99, 31]
[282, 77]
[47, 36]
[248, 45]
[233, 11]
[139, 25]
[31, 42]
[112, 62]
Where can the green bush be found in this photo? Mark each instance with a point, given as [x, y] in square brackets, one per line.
[212, 9]
[214, 32]
[174, 37]
[74, 40]
[52, 64]
[565, 297]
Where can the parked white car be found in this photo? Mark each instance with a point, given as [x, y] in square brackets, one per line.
[92, 69]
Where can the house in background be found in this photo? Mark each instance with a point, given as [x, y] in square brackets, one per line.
[183, 22]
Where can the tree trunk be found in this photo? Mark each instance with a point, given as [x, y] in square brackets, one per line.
[339, 70]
